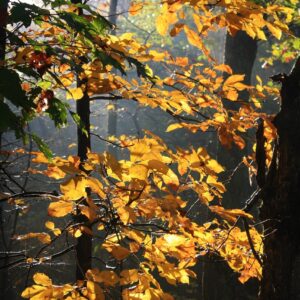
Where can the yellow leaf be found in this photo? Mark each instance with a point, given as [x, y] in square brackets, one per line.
[230, 215]
[42, 279]
[223, 68]
[135, 8]
[182, 61]
[94, 291]
[33, 292]
[129, 276]
[109, 278]
[233, 79]
[214, 165]
[75, 93]
[274, 30]
[74, 188]
[96, 186]
[50, 225]
[173, 127]
[110, 107]
[72, 145]
[164, 20]
[54, 172]
[117, 251]
[127, 214]
[41, 236]
[213, 182]
[195, 40]
[139, 172]
[60, 208]
[88, 212]
[157, 56]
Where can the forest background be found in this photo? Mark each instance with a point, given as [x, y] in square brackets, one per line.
[161, 160]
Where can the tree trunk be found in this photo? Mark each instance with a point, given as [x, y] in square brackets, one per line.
[240, 54]
[5, 290]
[3, 21]
[281, 200]
[112, 114]
[84, 242]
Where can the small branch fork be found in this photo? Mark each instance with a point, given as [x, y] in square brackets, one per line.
[249, 204]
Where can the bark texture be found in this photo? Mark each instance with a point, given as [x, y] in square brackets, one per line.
[240, 55]
[281, 196]
[84, 242]
[3, 21]
[112, 114]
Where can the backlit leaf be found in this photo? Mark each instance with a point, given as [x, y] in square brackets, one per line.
[60, 208]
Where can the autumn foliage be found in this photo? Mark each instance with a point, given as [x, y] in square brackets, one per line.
[138, 204]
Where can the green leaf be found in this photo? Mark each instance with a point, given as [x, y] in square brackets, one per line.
[26, 13]
[8, 120]
[77, 23]
[57, 112]
[78, 122]
[42, 146]
[100, 24]
[10, 88]
[108, 60]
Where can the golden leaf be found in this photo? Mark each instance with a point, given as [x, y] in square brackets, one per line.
[277, 32]
[230, 215]
[34, 292]
[129, 276]
[173, 127]
[223, 68]
[135, 8]
[41, 236]
[109, 278]
[94, 291]
[50, 225]
[74, 188]
[117, 251]
[214, 165]
[60, 208]
[75, 93]
[96, 186]
[88, 212]
[233, 79]
[42, 279]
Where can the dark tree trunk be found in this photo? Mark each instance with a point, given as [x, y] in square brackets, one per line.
[281, 196]
[112, 114]
[3, 21]
[240, 54]
[5, 289]
[84, 242]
